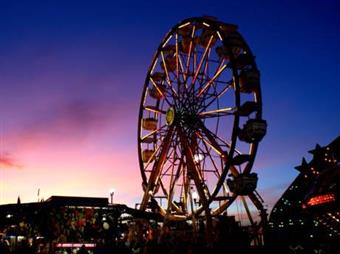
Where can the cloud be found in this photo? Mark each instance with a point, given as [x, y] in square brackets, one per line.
[75, 116]
[73, 121]
[6, 162]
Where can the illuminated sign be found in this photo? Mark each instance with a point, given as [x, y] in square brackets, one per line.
[321, 199]
[75, 245]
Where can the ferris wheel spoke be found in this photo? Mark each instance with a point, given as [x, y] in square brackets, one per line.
[201, 77]
[148, 163]
[182, 70]
[250, 217]
[216, 137]
[207, 63]
[217, 112]
[154, 109]
[207, 153]
[204, 75]
[153, 132]
[256, 200]
[168, 80]
[216, 147]
[177, 58]
[170, 203]
[212, 144]
[179, 66]
[202, 189]
[224, 205]
[165, 171]
[181, 84]
[189, 54]
[211, 147]
[176, 176]
[211, 81]
[159, 90]
[155, 173]
[216, 96]
[202, 59]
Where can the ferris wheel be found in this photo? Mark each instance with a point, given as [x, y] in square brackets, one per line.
[200, 122]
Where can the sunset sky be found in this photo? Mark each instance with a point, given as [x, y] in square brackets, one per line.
[71, 78]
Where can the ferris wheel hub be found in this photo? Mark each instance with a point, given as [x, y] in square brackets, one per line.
[191, 120]
[170, 116]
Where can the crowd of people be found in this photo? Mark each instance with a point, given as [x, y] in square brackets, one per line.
[145, 237]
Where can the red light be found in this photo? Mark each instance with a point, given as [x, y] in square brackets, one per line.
[321, 199]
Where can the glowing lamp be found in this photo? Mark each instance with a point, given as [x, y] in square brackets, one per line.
[106, 225]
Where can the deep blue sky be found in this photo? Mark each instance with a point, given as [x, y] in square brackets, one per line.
[57, 55]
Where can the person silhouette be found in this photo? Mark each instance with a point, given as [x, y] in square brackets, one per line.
[82, 250]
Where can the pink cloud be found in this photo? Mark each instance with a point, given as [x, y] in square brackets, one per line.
[75, 118]
[6, 162]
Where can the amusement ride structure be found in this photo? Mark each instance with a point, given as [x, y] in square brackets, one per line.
[200, 123]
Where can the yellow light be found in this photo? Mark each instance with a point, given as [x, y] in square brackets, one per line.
[223, 91]
[219, 35]
[166, 42]
[184, 25]
[153, 109]
[198, 158]
[206, 24]
[215, 111]
[193, 32]
[154, 65]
